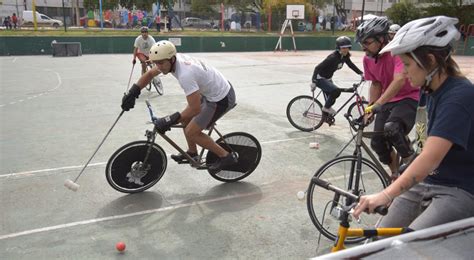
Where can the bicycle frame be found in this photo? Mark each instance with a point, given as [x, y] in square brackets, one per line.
[353, 90]
[198, 164]
[359, 143]
[344, 230]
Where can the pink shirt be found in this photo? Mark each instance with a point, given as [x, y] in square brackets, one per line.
[383, 72]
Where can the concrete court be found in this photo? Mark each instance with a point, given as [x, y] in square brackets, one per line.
[55, 111]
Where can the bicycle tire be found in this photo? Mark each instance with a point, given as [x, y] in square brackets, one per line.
[156, 82]
[357, 111]
[126, 158]
[336, 171]
[299, 116]
[249, 153]
[148, 87]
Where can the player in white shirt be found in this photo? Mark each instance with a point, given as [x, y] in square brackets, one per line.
[142, 47]
[208, 93]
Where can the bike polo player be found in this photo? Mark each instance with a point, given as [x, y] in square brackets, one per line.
[438, 186]
[208, 93]
[391, 96]
[142, 47]
[324, 71]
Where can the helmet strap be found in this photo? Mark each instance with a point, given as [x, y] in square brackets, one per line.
[173, 62]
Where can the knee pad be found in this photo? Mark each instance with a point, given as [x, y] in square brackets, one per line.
[335, 94]
[382, 149]
[395, 133]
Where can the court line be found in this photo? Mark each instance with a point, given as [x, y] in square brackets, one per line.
[33, 172]
[115, 217]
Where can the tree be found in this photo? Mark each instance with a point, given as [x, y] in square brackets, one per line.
[204, 8]
[452, 8]
[144, 4]
[403, 12]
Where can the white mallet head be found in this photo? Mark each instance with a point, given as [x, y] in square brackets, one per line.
[71, 185]
[314, 145]
[300, 195]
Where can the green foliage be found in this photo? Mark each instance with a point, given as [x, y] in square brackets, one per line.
[106, 4]
[203, 8]
[454, 9]
[403, 12]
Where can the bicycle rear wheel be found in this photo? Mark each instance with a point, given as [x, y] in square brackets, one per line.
[304, 113]
[321, 202]
[248, 152]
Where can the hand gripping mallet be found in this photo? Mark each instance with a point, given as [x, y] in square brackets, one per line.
[72, 185]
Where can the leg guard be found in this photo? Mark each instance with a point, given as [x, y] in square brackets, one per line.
[395, 133]
[380, 145]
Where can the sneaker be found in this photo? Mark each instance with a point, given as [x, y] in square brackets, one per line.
[329, 110]
[181, 158]
[229, 160]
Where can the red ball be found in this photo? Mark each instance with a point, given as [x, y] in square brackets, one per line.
[120, 246]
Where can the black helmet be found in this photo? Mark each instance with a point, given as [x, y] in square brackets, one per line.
[343, 42]
[372, 28]
[144, 29]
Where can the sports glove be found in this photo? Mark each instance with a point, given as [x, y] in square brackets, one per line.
[128, 100]
[374, 108]
[164, 124]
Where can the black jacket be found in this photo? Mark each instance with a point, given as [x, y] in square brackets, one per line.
[332, 63]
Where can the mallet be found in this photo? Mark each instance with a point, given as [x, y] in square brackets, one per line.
[72, 185]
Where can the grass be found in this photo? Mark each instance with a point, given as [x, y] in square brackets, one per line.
[127, 32]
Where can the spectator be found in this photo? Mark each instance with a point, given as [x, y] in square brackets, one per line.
[158, 22]
[14, 20]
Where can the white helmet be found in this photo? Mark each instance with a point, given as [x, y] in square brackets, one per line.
[162, 50]
[393, 28]
[436, 31]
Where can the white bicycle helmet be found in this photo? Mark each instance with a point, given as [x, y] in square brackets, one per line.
[437, 31]
[393, 28]
[162, 50]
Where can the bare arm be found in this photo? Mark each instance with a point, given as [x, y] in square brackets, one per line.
[193, 108]
[146, 78]
[392, 90]
[433, 153]
[135, 51]
[375, 91]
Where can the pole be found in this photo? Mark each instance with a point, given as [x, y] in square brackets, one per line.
[101, 16]
[34, 15]
[333, 18]
[222, 17]
[64, 16]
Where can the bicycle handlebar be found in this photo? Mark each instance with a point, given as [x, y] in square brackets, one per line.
[382, 210]
[149, 110]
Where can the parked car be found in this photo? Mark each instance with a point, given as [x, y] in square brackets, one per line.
[195, 22]
[41, 20]
[107, 23]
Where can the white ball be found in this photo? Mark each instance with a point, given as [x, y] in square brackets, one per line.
[300, 195]
[42, 50]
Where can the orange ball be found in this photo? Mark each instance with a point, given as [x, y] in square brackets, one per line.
[120, 246]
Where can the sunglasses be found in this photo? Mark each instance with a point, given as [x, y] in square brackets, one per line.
[366, 43]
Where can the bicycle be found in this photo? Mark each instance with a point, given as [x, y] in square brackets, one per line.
[305, 112]
[344, 231]
[137, 166]
[354, 172]
[155, 82]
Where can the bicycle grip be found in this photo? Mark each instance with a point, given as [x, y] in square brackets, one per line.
[382, 210]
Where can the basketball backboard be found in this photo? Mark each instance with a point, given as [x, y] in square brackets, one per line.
[295, 12]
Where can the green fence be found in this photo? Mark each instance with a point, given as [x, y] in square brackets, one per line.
[38, 45]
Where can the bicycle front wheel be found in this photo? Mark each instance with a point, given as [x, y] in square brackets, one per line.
[304, 113]
[322, 204]
[156, 82]
[128, 172]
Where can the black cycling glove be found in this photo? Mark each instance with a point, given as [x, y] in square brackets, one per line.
[128, 100]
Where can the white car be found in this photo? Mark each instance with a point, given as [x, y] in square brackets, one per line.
[41, 20]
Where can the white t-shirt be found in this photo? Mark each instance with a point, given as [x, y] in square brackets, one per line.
[143, 45]
[195, 75]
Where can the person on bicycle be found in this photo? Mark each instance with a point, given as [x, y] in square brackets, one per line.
[323, 72]
[392, 30]
[390, 96]
[209, 95]
[142, 47]
[438, 186]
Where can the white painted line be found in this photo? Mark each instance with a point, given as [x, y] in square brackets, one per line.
[139, 213]
[31, 173]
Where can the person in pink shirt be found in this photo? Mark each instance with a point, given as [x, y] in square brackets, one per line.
[391, 96]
